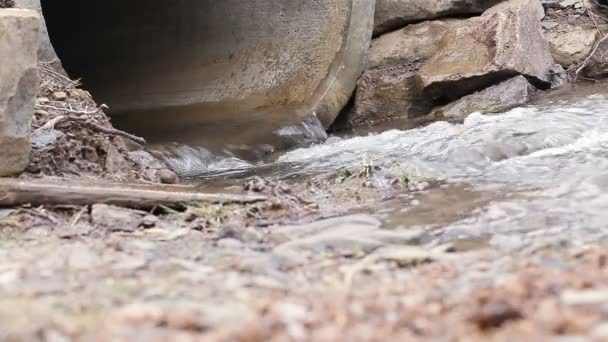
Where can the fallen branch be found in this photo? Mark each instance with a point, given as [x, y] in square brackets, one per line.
[71, 111]
[15, 192]
[585, 62]
[582, 65]
[114, 131]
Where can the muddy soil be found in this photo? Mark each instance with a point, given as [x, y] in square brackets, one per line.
[73, 137]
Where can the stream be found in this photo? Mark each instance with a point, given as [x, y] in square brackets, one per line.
[535, 174]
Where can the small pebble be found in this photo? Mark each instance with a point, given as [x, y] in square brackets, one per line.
[60, 96]
[547, 25]
[230, 243]
[77, 94]
[149, 221]
[168, 177]
[601, 331]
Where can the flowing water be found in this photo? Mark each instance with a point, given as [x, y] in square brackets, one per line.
[538, 173]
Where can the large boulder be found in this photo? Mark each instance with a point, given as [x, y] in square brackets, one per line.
[19, 40]
[392, 14]
[387, 89]
[409, 46]
[509, 94]
[385, 94]
[46, 52]
[570, 44]
[507, 40]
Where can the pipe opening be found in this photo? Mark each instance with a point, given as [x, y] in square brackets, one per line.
[189, 70]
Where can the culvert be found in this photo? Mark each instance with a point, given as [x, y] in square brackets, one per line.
[178, 70]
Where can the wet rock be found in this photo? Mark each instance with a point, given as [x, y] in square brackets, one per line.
[558, 76]
[409, 47]
[116, 219]
[570, 44]
[598, 64]
[18, 86]
[385, 94]
[495, 99]
[392, 14]
[505, 41]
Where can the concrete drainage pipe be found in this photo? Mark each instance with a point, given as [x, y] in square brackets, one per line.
[178, 70]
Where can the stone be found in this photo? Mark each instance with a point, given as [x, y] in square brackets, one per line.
[116, 219]
[392, 14]
[60, 96]
[600, 332]
[46, 139]
[115, 163]
[7, 3]
[385, 94]
[341, 236]
[19, 35]
[410, 46]
[167, 176]
[404, 256]
[571, 3]
[584, 297]
[149, 221]
[506, 95]
[507, 40]
[548, 25]
[230, 243]
[147, 165]
[46, 52]
[570, 44]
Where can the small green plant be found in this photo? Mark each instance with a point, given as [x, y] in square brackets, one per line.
[367, 170]
[343, 174]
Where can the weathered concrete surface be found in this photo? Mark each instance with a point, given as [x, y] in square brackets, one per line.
[181, 65]
[392, 14]
[509, 94]
[506, 41]
[19, 39]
